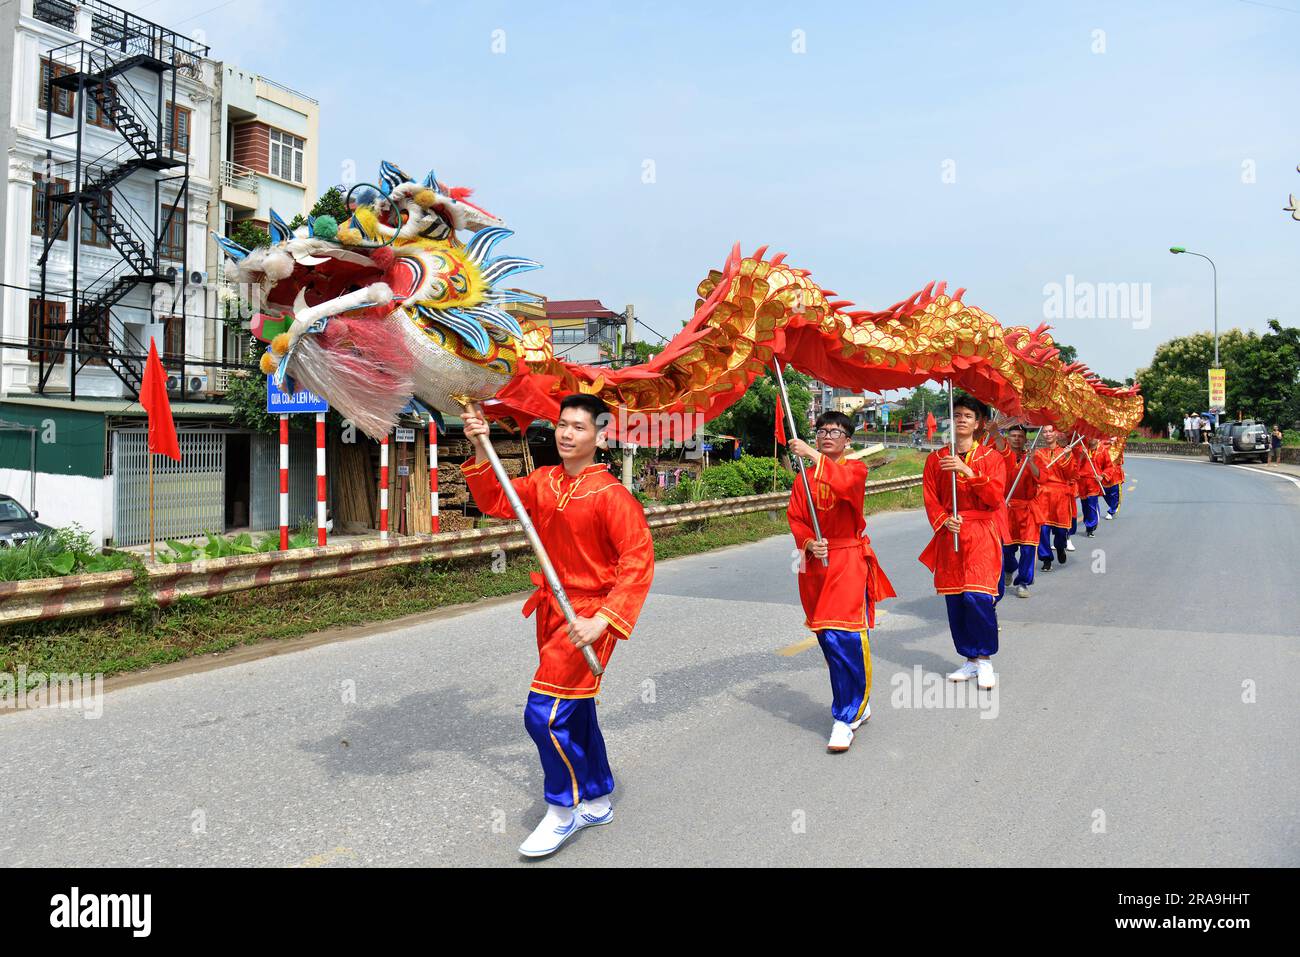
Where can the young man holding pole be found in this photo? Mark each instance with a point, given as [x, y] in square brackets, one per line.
[1056, 485]
[1088, 483]
[1024, 509]
[1110, 462]
[969, 574]
[596, 535]
[840, 580]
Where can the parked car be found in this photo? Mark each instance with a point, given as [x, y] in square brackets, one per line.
[17, 524]
[1239, 440]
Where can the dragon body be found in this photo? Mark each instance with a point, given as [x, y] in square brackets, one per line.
[393, 305]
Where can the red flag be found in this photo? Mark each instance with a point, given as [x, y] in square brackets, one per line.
[930, 426]
[153, 396]
[780, 423]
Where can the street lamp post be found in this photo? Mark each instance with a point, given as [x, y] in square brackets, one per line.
[1179, 249]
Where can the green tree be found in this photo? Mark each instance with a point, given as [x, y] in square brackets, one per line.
[923, 399]
[752, 418]
[249, 235]
[1262, 374]
[331, 203]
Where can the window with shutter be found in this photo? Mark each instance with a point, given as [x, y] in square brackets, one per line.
[41, 191]
[53, 334]
[63, 99]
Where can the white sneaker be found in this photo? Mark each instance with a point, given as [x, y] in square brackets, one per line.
[553, 831]
[1109, 516]
[587, 816]
[1022, 591]
[841, 738]
[866, 716]
[987, 679]
[965, 673]
[1069, 544]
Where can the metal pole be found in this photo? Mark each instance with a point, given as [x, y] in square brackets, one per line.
[798, 461]
[952, 441]
[629, 451]
[1064, 452]
[1028, 452]
[543, 559]
[149, 452]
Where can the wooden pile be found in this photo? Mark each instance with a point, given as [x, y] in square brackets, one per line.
[355, 482]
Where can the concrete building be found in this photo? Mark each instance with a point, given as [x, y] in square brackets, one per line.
[584, 330]
[267, 137]
[125, 144]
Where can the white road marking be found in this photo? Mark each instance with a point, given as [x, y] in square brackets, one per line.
[1290, 478]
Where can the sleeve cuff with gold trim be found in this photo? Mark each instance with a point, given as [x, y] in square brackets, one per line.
[615, 621]
[475, 465]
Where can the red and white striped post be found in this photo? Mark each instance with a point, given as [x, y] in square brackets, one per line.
[284, 483]
[320, 478]
[383, 490]
[433, 476]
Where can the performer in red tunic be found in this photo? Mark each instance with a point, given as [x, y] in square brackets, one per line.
[596, 535]
[969, 576]
[1024, 509]
[1056, 485]
[1109, 459]
[1087, 470]
[839, 598]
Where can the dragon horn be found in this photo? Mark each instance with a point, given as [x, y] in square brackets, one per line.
[279, 229]
[390, 177]
[230, 247]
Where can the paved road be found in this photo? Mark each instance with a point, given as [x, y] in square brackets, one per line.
[1121, 736]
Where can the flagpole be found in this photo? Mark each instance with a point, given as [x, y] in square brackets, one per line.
[798, 459]
[151, 535]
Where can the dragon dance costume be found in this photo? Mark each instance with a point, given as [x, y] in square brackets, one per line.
[969, 577]
[597, 537]
[839, 598]
[1088, 486]
[1024, 517]
[1056, 485]
[1110, 465]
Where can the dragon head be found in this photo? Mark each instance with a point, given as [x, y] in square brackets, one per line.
[396, 257]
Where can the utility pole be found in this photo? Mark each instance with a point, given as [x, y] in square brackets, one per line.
[629, 357]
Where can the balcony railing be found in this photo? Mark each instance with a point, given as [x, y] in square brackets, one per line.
[238, 177]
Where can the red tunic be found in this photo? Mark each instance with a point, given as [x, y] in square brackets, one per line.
[596, 535]
[1086, 483]
[843, 593]
[976, 565]
[1111, 473]
[1056, 486]
[1025, 508]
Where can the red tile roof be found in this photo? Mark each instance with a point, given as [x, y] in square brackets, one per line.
[578, 308]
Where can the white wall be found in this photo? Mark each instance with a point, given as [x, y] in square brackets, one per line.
[64, 499]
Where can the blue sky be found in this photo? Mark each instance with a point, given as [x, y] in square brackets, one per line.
[1068, 152]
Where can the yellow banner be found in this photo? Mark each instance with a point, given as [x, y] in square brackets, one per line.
[1218, 389]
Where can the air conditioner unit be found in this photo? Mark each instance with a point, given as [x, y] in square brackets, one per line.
[171, 273]
[197, 278]
[195, 384]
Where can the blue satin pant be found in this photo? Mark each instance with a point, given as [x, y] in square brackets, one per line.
[574, 765]
[848, 657]
[974, 624]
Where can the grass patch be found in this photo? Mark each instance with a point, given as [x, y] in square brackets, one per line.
[901, 463]
[111, 644]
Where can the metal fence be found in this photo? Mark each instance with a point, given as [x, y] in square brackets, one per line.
[264, 484]
[46, 598]
[189, 495]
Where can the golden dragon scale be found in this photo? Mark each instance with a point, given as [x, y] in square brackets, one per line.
[755, 309]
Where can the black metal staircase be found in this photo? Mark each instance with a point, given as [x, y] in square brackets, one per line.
[103, 73]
